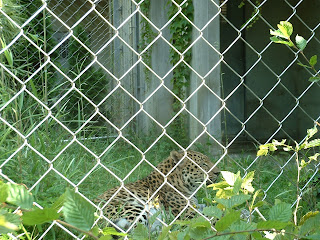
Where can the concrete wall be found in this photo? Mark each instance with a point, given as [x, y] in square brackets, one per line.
[221, 80]
[295, 79]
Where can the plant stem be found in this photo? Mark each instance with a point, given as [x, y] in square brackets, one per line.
[298, 195]
[77, 229]
[254, 230]
[26, 232]
[304, 56]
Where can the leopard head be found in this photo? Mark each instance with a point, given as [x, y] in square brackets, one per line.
[194, 168]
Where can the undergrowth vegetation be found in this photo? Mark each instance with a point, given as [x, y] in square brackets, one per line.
[76, 162]
[51, 163]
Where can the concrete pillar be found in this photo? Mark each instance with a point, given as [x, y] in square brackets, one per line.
[160, 104]
[204, 104]
[128, 58]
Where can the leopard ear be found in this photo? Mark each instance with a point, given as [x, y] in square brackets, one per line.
[176, 156]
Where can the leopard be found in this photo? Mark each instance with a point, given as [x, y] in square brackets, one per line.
[171, 187]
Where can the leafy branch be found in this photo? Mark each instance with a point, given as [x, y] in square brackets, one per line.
[78, 214]
[283, 36]
[271, 147]
[234, 195]
[226, 211]
[280, 232]
[40, 216]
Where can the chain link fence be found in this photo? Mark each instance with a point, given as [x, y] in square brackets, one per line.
[90, 93]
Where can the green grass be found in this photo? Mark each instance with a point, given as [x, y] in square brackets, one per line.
[75, 162]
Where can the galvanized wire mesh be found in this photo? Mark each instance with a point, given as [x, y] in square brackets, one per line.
[88, 74]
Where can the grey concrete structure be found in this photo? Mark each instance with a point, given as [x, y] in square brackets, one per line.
[204, 105]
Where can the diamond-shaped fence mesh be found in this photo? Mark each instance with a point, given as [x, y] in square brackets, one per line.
[96, 93]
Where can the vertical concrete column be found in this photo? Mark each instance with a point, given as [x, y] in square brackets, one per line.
[160, 104]
[128, 58]
[204, 104]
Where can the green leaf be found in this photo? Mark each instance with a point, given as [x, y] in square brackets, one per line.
[199, 228]
[200, 222]
[247, 182]
[9, 222]
[312, 131]
[258, 204]
[313, 143]
[255, 195]
[277, 143]
[314, 157]
[140, 233]
[280, 212]
[7, 53]
[108, 237]
[19, 196]
[59, 202]
[262, 152]
[33, 88]
[307, 216]
[257, 236]
[173, 235]
[225, 193]
[112, 231]
[303, 163]
[225, 237]
[277, 40]
[286, 28]
[303, 65]
[182, 223]
[164, 232]
[264, 149]
[95, 231]
[287, 149]
[313, 236]
[3, 192]
[227, 220]
[314, 79]
[313, 60]
[212, 211]
[272, 147]
[301, 42]
[310, 225]
[278, 225]
[184, 235]
[230, 177]
[237, 185]
[39, 216]
[219, 185]
[242, 226]
[77, 211]
[234, 201]
[277, 33]
[198, 233]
